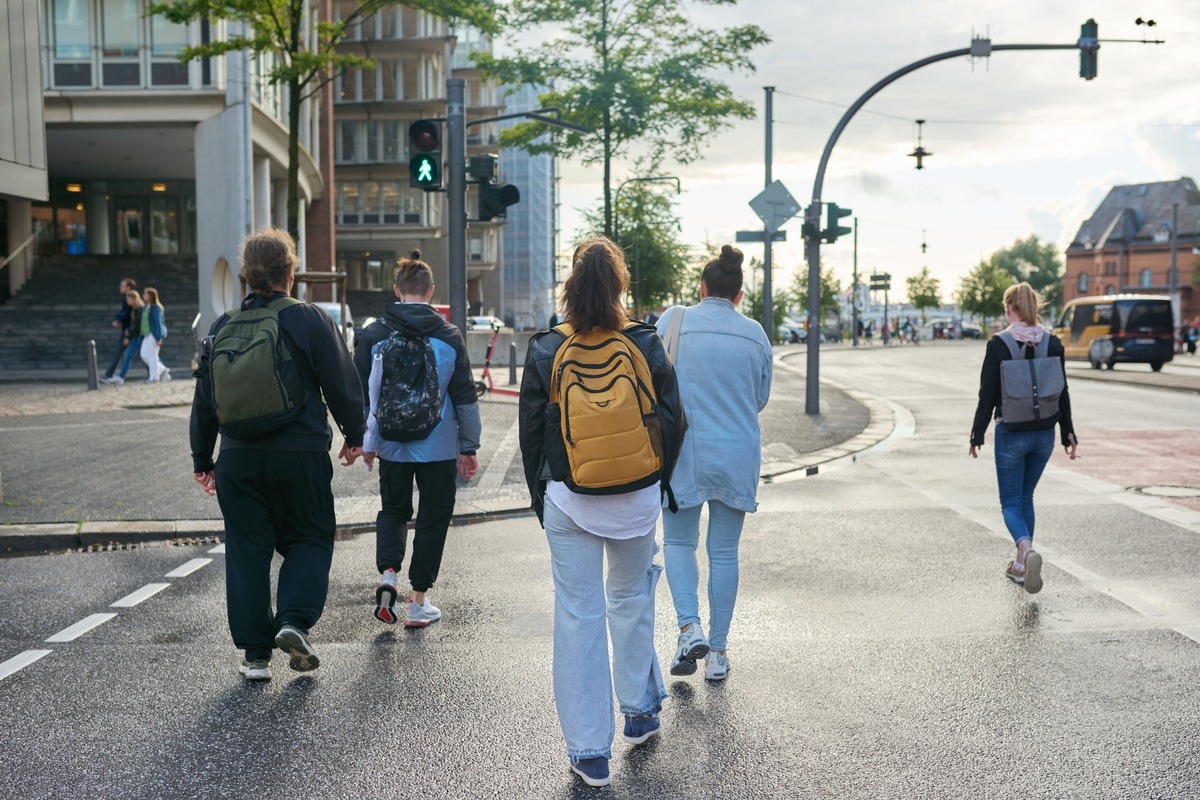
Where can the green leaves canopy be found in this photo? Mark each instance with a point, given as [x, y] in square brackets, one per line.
[636, 71]
[924, 291]
[982, 290]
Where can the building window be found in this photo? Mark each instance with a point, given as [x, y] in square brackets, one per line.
[1146, 278]
[116, 41]
[120, 23]
[1110, 289]
[1083, 282]
[379, 203]
[167, 41]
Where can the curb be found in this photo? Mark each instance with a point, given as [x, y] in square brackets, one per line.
[99, 536]
[1103, 378]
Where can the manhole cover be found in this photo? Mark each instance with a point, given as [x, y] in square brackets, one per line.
[1168, 491]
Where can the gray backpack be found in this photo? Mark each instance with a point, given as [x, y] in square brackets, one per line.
[1030, 387]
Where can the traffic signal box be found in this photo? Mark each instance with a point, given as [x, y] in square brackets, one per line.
[832, 229]
[425, 163]
[494, 198]
[1089, 49]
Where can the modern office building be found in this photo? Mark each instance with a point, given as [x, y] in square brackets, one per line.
[379, 216]
[527, 255]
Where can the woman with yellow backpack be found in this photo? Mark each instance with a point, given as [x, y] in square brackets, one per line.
[601, 425]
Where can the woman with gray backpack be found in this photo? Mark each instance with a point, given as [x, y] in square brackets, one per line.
[1023, 384]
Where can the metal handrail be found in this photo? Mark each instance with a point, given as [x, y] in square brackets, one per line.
[37, 231]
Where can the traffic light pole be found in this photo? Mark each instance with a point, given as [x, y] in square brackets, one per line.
[854, 289]
[979, 48]
[456, 201]
[767, 310]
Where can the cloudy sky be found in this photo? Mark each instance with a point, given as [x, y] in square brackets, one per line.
[1021, 143]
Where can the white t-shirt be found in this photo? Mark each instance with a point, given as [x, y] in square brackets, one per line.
[612, 516]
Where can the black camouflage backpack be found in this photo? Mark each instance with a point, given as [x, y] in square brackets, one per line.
[410, 399]
[256, 387]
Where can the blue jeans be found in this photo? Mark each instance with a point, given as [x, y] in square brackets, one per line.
[587, 610]
[1021, 457]
[681, 535]
[131, 350]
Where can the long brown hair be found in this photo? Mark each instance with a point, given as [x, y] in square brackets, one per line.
[594, 294]
[152, 293]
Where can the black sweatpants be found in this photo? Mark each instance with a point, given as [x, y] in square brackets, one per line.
[275, 500]
[436, 481]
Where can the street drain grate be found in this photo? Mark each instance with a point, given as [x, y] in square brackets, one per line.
[1167, 491]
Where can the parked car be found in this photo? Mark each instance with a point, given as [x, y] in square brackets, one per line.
[792, 330]
[971, 331]
[335, 310]
[484, 323]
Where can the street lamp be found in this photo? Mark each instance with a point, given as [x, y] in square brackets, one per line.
[637, 305]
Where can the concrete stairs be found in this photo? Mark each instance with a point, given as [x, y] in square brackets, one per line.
[72, 299]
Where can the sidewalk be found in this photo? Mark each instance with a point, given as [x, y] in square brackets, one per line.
[90, 503]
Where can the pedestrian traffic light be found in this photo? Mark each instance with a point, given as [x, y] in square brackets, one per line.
[1089, 48]
[425, 164]
[495, 198]
[833, 230]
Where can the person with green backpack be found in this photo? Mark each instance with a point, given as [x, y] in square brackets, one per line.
[266, 373]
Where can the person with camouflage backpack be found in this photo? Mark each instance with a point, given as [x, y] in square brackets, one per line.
[423, 424]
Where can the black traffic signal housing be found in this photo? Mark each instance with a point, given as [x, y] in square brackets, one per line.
[1089, 48]
[495, 198]
[832, 229]
[425, 162]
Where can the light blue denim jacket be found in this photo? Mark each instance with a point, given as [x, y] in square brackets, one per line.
[723, 365]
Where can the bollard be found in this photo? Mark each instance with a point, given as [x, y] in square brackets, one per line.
[512, 363]
[93, 371]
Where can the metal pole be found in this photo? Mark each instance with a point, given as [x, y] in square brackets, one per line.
[93, 376]
[512, 363]
[767, 322]
[812, 246]
[1173, 275]
[456, 201]
[854, 288]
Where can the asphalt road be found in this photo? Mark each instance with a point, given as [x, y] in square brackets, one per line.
[877, 650]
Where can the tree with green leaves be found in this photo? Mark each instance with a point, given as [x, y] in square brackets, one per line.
[982, 290]
[648, 232]
[924, 291]
[831, 288]
[1035, 262]
[639, 73]
[304, 60]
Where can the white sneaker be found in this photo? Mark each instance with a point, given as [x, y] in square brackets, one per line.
[164, 376]
[256, 670]
[716, 666]
[113, 380]
[418, 616]
[385, 598]
[692, 645]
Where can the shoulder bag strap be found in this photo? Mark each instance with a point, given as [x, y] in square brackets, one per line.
[671, 335]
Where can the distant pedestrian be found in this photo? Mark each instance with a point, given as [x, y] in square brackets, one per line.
[592, 504]
[720, 458]
[153, 331]
[435, 458]
[121, 321]
[1193, 335]
[133, 338]
[273, 481]
[885, 334]
[1022, 449]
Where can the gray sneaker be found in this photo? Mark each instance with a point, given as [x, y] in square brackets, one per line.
[294, 642]
[716, 666]
[418, 616]
[256, 670]
[692, 645]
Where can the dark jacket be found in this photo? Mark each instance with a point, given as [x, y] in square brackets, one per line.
[134, 326]
[423, 320]
[319, 350]
[535, 393]
[123, 317]
[989, 391]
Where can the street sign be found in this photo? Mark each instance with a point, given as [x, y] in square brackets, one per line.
[883, 276]
[775, 206]
[757, 236]
[881, 286]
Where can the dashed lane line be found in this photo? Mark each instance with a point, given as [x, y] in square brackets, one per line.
[19, 662]
[132, 599]
[80, 628]
[188, 568]
[218, 550]
[70, 634]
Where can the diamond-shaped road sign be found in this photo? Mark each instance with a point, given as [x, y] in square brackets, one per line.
[775, 206]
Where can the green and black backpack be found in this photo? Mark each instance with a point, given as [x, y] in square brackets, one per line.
[256, 386]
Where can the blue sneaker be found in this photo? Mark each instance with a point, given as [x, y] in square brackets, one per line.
[640, 727]
[594, 771]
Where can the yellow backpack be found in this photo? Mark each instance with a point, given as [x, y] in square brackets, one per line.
[603, 394]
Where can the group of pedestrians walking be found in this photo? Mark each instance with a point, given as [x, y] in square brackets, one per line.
[141, 328]
[621, 423]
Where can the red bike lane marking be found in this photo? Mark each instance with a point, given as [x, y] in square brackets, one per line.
[1140, 458]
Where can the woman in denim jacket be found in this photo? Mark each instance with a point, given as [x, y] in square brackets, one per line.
[720, 458]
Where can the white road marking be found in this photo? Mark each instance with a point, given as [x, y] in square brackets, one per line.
[184, 570]
[498, 464]
[218, 550]
[80, 628]
[147, 591]
[21, 661]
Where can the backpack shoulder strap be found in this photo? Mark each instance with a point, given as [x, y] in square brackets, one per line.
[1011, 342]
[671, 334]
[280, 303]
[1042, 349]
[565, 329]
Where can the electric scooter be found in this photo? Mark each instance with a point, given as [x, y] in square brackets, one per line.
[486, 385]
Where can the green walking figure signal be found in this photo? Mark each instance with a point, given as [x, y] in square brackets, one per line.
[425, 166]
